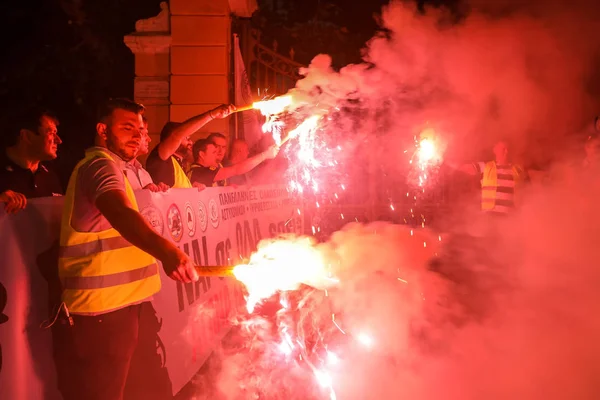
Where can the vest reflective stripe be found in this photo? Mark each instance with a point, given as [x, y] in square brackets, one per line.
[489, 184]
[104, 281]
[180, 179]
[97, 246]
[101, 271]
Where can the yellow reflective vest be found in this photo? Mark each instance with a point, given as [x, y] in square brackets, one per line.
[489, 184]
[181, 180]
[101, 271]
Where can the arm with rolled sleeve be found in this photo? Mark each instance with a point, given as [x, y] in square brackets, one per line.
[104, 186]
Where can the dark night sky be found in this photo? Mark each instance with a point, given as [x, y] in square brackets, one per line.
[68, 55]
[68, 59]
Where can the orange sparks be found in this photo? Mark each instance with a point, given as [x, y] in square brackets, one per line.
[427, 151]
[305, 128]
[273, 106]
[282, 265]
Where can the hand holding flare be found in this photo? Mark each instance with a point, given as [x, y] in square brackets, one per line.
[269, 107]
[278, 265]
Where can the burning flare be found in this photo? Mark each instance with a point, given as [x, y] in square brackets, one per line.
[428, 148]
[282, 265]
[269, 107]
[273, 106]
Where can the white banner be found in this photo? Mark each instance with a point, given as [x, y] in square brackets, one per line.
[243, 96]
[217, 226]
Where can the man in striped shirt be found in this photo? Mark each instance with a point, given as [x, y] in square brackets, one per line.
[500, 181]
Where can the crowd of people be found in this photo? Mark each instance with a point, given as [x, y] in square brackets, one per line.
[175, 162]
[107, 253]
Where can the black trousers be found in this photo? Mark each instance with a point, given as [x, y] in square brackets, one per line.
[112, 356]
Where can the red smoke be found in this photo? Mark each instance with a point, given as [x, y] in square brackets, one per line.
[502, 313]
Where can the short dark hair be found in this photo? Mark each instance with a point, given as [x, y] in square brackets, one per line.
[168, 129]
[107, 108]
[200, 145]
[28, 118]
[214, 135]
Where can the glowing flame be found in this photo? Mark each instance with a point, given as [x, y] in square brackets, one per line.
[365, 339]
[427, 151]
[273, 106]
[282, 265]
[306, 127]
[332, 358]
[323, 378]
[285, 348]
[428, 148]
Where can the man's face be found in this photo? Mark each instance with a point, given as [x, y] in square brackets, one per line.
[44, 143]
[221, 146]
[123, 133]
[185, 148]
[209, 157]
[145, 142]
[501, 152]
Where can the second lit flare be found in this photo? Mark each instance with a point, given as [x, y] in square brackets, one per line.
[282, 265]
[269, 107]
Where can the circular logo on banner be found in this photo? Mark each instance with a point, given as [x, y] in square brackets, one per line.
[190, 219]
[202, 216]
[154, 218]
[175, 223]
[213, 213]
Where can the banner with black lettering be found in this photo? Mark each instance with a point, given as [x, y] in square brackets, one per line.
[217, 226]
[214, 227]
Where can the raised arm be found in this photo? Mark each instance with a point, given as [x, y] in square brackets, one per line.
[169, 146]
[469, 169]
[246, 165]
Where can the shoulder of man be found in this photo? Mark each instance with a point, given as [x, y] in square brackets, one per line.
[197, 170]
[52, 178]
[203, 174]
[50, 170]
[99, 175]
[48, 167]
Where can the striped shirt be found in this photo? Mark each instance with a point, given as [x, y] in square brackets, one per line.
[505, 188]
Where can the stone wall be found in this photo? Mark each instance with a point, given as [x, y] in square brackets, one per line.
[200, 59]
[151, 43]
[182, 63]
